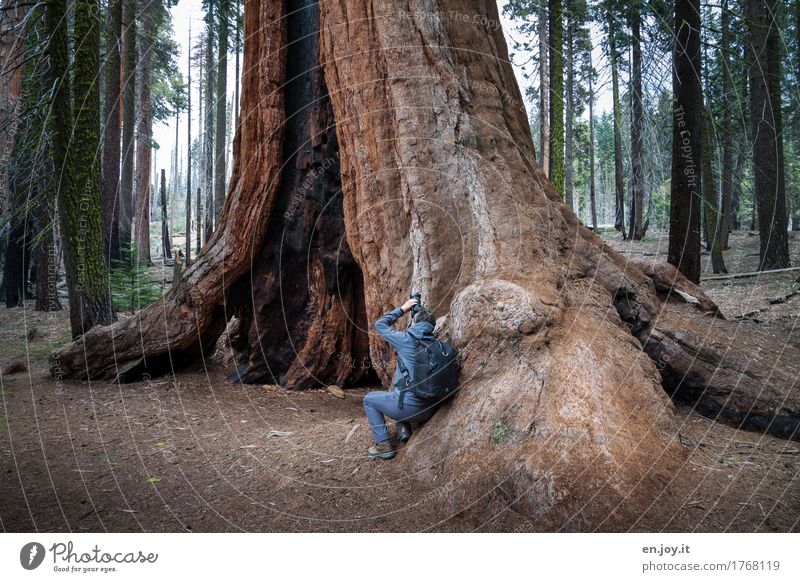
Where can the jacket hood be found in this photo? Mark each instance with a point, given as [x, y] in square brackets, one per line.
[421, 330]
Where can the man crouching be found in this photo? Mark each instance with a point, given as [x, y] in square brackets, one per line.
[381, 404]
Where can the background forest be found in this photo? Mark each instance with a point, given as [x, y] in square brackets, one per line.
[82, 114]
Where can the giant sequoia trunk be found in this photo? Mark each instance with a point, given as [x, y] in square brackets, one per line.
[440, 193]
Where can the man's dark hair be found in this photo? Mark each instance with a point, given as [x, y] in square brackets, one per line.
[424, 315]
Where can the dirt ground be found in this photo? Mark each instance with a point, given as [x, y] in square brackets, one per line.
[191, 452]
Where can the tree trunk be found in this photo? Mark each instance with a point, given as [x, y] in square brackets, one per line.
[221, 109]
[166, 240]
[16, 74]
[684, 211]
[12, 51]
[569, 104]
[126, 186]
[709, 186]
[726, 129]
[544, 88]
[208, 133]
[766, 117]
[198, 220]
[637, 117]
[17, 249]
[619, 180]
[796, 198]
[556, 49]
[144, 139]
[237, 67]
[523, 289]
[112, 131]
[75, 153]
[189, 154]
[592, 195]
[47, 260]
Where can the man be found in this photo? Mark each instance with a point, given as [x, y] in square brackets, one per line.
[381, 404]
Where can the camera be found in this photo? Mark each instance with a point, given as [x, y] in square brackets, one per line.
[417, 307]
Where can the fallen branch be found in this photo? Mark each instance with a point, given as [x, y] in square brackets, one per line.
[750, 274]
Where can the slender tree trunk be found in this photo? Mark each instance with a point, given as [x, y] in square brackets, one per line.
[738, 172]
[709, 186]
[766, 117]
[544, 88]
[568, 111]
[221, 109]
[201, 142]
[198, 221]
[47, 261]
[726, 129]
[17, 251]
[189, 154]
[75, 152]
[112, 131]
[208, 137]
[126, 187]
[592, 196]
[144, 139]
[796, 198]
[556, 49]
[619, 180]
[637, 117]
[684, 215]
[166, 241]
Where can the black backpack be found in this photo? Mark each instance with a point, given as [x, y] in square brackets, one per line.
[435, 376]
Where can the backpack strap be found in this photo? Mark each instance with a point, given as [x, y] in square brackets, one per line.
[406, 380]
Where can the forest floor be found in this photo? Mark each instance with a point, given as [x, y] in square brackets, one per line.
[192, 452]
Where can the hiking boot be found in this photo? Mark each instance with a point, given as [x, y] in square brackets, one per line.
[404, 433]
[382, 450]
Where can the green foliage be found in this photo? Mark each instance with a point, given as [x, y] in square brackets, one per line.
[500, 432]
[132, 287]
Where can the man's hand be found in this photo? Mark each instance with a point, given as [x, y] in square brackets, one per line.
[406, 307]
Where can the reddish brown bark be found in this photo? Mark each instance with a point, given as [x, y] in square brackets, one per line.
[12, 45]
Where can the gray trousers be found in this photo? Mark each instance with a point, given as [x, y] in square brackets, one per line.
[381, 404]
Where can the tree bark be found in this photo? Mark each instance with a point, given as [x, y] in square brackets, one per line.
[726, 129]
[452, 205]
[76, 143]
[709, 186]
[188, 243]
[126, 186]
[766, 117]
[208, 130]
[221, 109]
[555, 39]
[144, 138]
[112, 131]
[166, 240]
[47, 260]
[544, 88]
[637, 118]
[685, 194]
[592, 194]
[569, 104]
[619, 180]
[12, 50]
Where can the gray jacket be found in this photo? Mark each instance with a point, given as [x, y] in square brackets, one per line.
[405, 343]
